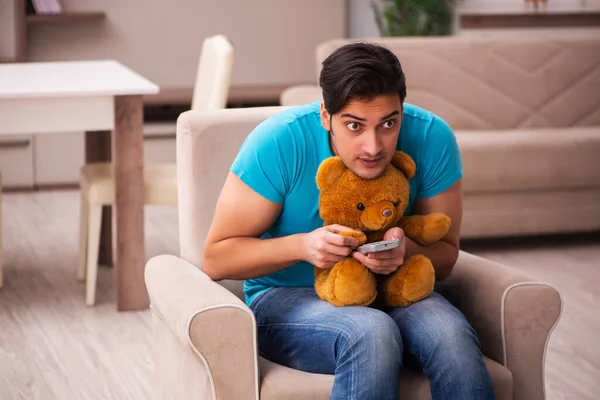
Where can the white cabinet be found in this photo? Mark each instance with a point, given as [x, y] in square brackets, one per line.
[16, 160]
[27, 161]
[58, 157]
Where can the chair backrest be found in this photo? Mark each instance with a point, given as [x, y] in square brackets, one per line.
[499, 82]
[213, 77]
[207, 144]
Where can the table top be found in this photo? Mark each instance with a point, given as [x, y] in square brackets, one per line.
[71, 79]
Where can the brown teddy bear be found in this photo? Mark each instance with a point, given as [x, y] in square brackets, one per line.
[372, 206]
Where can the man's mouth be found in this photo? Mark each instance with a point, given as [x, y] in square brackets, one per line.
[370, 162]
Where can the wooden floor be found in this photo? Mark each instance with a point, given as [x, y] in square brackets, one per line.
[53, 347]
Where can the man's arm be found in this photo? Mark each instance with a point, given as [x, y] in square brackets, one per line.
[443, 254]
[233, 248]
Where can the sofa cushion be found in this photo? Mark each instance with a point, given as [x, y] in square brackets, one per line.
[530, 213]
[282, 383]
[530, 159]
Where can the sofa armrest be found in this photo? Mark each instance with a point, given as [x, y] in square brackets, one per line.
[210, 322]
[512, 313]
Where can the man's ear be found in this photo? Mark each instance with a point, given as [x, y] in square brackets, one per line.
[325, 117]
[330, 170]
[404, 163]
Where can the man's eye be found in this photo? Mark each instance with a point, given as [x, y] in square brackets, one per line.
[389, 124]
[353, 126]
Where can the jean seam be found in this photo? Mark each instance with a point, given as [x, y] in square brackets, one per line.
[315, 325]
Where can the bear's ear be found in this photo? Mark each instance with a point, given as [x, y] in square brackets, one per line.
[404, 163]
[330, 170]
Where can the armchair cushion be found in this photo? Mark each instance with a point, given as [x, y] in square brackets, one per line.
[282, 383]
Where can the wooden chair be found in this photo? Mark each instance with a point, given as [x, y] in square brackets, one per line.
[97, 182]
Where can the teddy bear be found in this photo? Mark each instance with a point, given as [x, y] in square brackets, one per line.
[371, 207]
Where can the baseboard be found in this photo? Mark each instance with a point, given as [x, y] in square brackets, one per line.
[41, 188]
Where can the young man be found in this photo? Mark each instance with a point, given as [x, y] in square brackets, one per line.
[267, 231]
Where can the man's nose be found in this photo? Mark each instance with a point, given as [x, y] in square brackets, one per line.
[370, 144]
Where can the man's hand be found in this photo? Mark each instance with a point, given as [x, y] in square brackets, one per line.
[388, 261]
[324, 247]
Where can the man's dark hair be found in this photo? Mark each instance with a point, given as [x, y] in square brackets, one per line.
[360, 71]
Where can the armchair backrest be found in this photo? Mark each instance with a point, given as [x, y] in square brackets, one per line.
[207, 144]
[499, 82]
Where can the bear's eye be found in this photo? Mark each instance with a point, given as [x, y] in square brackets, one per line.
[396, 203]
[360, 206]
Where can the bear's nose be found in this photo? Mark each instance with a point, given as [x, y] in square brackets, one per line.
[387, 212]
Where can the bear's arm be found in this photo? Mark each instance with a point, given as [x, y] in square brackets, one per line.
[425, 229]
[362, 239]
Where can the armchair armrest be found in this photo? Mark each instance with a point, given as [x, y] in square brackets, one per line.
[200, 324]
[512, 313]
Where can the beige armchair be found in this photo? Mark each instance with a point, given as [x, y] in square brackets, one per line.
[205, 336]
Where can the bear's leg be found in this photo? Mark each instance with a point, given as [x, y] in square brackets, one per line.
[412, 282]
[348, 283]
[321, 288]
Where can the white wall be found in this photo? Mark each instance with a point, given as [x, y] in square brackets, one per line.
[274, 39]
[8, 50]
[361, 19]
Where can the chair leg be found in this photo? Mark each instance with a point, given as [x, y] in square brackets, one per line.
[83, 235]
[93, 246]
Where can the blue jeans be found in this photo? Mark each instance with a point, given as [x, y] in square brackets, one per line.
[366, 348]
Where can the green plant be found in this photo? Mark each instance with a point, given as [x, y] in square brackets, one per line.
[414, 17]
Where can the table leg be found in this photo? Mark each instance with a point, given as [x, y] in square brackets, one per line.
[98, 149]
[128, 160]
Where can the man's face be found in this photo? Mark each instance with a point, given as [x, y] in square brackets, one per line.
[364, 133]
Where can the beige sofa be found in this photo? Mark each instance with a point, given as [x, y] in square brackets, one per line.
[205, 336]
[526, 113]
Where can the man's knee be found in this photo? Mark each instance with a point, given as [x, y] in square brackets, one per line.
[434, 327]
[453, 343]
[446, 347]
[374, 333]
[368, 356]
[456, 361]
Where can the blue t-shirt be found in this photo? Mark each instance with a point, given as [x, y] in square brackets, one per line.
[280, 158]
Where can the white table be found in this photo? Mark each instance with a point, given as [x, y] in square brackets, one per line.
[87, 96]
